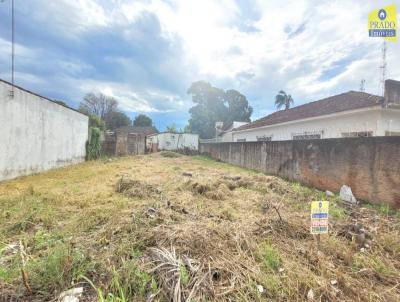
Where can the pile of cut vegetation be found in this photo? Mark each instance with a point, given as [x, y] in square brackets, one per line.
[135, 188]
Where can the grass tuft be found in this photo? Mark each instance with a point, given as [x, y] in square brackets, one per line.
[170, 154]
[269, 256]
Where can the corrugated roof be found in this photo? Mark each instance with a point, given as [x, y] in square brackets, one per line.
[338, 103]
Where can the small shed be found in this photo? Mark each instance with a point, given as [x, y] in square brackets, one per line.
[126, 140]
[172, 142]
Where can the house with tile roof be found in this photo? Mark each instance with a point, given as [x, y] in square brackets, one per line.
[224, 132]
[349, 114]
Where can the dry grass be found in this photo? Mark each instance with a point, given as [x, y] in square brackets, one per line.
[155, 228]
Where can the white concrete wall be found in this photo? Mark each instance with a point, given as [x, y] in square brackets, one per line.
[151, 139]
[389, 122]
[373, 119]
[177, 141]
[37, 134]
[226, 137]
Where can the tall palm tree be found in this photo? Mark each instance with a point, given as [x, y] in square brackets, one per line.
[283, 100]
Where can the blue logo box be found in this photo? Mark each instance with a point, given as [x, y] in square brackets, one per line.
[382, 33]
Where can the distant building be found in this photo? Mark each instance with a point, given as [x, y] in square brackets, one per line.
[350, 114]
[172, 141]
[128, 140]
[224, 133]
[147, 130]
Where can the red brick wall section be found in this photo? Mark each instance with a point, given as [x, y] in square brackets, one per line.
[370, 166]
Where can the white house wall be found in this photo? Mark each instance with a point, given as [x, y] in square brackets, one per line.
[390, 121]
[37, 134]
[226, 137]
[329, 126]
[177, 141]
[151, 139]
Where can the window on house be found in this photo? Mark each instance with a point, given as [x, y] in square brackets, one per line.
[358, 134]
[241, 140]
[264, 138]
[307, 135]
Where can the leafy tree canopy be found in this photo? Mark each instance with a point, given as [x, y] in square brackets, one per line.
[95, 121]
[172, 128]
[116, 119]
[283, 100]
[213, 104]
[142, 120]
[62, 103]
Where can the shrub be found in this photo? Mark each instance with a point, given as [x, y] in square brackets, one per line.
[93, 145]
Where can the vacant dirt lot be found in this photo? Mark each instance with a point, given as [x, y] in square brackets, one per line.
[165, 227]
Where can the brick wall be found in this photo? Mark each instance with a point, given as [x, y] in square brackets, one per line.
[370, 166]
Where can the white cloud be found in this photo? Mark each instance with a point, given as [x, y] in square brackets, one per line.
[310, 48]
[145, 100]
[68, 17]
[333, 31]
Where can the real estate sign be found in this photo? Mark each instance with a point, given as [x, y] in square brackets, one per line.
[319, 217]
[383, 23]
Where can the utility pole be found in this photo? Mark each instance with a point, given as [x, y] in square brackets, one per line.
[12, 48]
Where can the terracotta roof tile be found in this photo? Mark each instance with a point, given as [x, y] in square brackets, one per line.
[342, 102]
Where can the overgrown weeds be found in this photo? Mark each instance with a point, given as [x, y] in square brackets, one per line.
[170, 154]
[138, 229]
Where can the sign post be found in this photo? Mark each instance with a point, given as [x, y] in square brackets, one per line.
[319, 219]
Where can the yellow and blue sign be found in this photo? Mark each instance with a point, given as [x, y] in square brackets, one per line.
[382, 23]
[319, 217]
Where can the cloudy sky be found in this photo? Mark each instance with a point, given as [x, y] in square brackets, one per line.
[147, 53]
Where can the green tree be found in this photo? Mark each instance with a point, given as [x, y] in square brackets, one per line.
[116, 119]
[283, 100]
[93, 145]
[209, 107]
[97, 122]
[238, 107]
[142, 120]
[62, 103]
[212, 104]
[172, 128]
